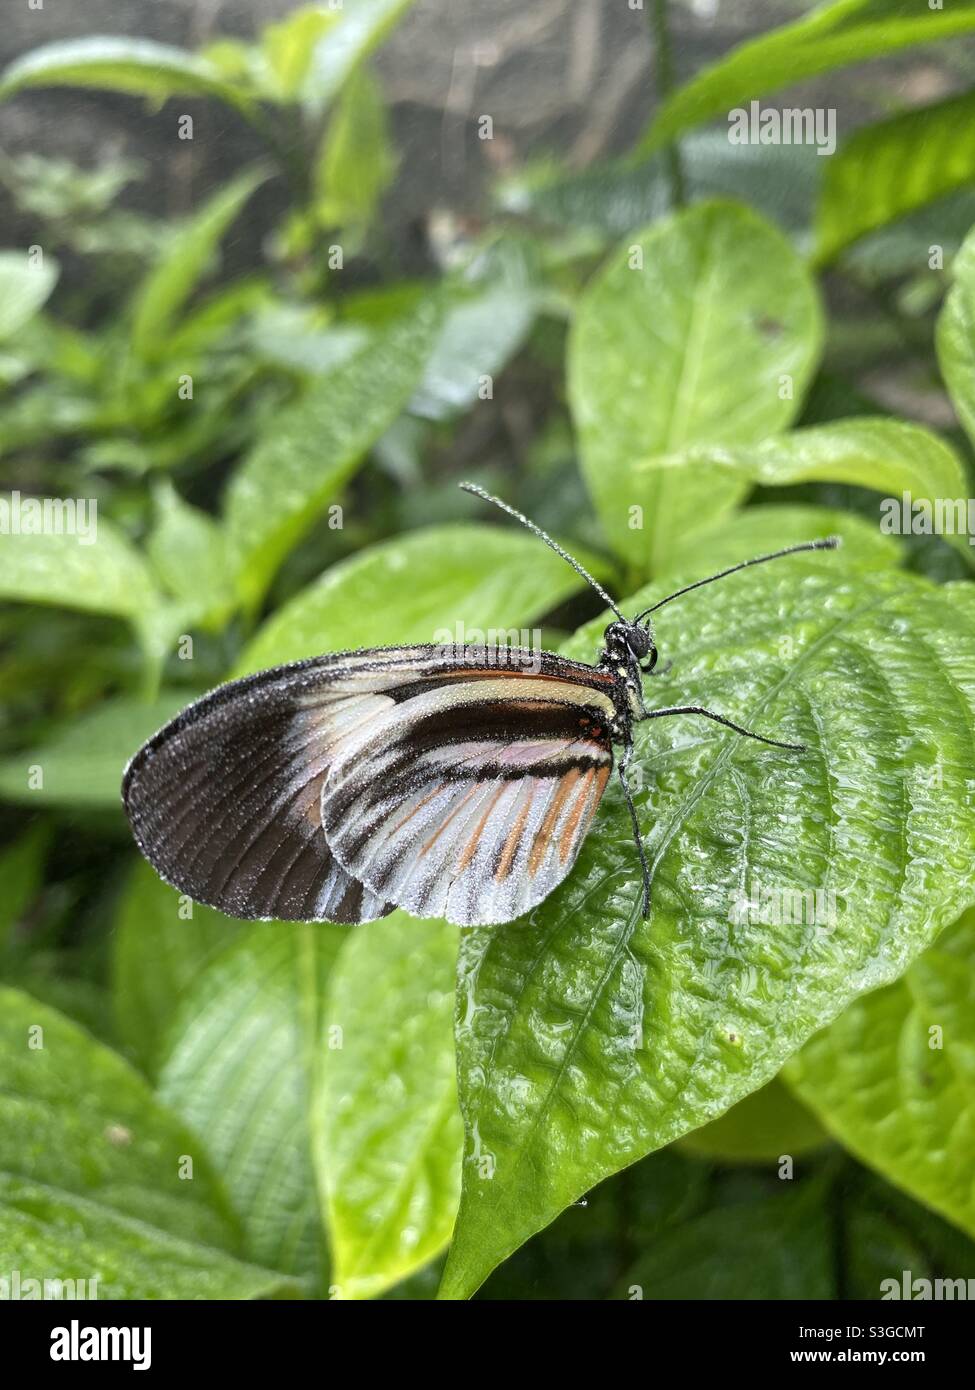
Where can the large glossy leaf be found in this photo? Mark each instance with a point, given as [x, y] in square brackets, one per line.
[389, 1133]
[889, 169]
[418, 588]
[894, 1077]
[94, 1179]
[139, 66]
[587, 1036]
[311, 448]
[161, 943]
[832, 36]
[24, 288]
[240, 1066]
[82, 763]
[956, 339]
[174, 276]
[890, 456]
[710, 339]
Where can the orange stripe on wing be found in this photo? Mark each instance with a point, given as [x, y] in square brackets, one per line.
[602, 777]
[418, 807]
[443, 825]
[512, 842]
[568, 833]
[470, 849]
[544, 833]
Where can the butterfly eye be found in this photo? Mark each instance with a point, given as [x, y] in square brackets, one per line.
[638, 641]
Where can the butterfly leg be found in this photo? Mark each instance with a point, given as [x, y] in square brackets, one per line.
[728, 724]
[644, 866]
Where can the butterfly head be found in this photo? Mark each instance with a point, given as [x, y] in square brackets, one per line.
[628, 644]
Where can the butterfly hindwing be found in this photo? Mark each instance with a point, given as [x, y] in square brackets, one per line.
[470, 799]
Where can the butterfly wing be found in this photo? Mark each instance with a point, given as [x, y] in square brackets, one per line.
[337, 788]
[224, 801]
[470, 798]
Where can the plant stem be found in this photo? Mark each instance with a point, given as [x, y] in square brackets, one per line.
[664, 62]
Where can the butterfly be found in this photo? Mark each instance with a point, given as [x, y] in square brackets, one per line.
[453, 783]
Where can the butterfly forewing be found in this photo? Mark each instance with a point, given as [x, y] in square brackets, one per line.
[338, 788]
[225, 801]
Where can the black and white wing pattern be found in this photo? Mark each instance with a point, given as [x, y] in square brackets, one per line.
[337, 788]
[224, 801]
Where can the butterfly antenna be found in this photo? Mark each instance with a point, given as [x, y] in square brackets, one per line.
[829, 543]
[544, 536]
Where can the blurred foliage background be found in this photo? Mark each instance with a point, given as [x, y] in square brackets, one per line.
[268, 291]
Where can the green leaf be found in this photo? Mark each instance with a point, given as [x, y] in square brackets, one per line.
[870, 451]
[779, 1248]
[24, 288]
[480, 334]
[301, 339]
[831, 36]
[139, 66]
[692, 348]
[161, 944]
[59, 551]
[588, 1037]
[174, 276]
[956, 340]
[81, 764]
[890, 456]
[894, 1077]
[392, 1188]
[187, 549]
[760, 529]
[310, 449]
[357, 161]
[435, 584]
[90, 1173]
[886, 170]
[288, 46]
[360, 27]
[240, 1067]
[763, 1128]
